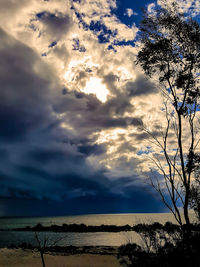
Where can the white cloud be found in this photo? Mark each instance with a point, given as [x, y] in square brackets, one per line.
[151, 8]
[129, 12]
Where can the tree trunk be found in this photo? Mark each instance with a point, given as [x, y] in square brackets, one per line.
[187, 231]
[185, 181]
[42, 258]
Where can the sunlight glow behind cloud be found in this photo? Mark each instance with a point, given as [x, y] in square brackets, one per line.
[96, 87]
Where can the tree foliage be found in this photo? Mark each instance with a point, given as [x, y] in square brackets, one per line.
[170, 52]
[194, 200]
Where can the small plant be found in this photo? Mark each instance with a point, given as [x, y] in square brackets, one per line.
[44, 244]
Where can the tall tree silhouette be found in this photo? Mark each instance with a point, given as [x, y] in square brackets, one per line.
[170, 53]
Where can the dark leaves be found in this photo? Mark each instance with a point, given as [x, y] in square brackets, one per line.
[171, 52]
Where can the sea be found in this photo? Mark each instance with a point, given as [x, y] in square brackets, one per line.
[15, 238]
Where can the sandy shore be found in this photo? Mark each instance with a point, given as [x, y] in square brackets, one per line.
[31, 258]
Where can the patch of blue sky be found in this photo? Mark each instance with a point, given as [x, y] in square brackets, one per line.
[190, 107]
[54, 43]
[172, 149]
[80, 19]
[103, 33]
[40, 14]
[168, 90]
[144, 152]
[111, 47]
[64, 91]
[136, 6]
[128, 12]
[77, 46]
[124, 43]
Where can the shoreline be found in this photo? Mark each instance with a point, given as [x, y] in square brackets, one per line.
[69, 250]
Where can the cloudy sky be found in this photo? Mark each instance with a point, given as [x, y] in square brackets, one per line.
[73, 105]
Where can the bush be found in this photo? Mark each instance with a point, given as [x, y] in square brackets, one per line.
[168, 254]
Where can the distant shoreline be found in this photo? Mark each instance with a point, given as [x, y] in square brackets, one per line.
[78, 228]
[83, 228]
[70, 250]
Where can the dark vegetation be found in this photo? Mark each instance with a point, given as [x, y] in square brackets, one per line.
[168, 227]
[167, 256]
[162, 246]
[79, 228]
[170, 53]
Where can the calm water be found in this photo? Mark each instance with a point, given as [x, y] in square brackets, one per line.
[78, 239]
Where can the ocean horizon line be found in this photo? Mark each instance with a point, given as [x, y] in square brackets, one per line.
[82, 214]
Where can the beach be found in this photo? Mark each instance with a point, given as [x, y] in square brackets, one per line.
[31, 258]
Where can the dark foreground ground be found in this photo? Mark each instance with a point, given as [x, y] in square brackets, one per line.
[82, 257]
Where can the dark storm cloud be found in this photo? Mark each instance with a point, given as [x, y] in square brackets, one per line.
[141, 136]
[105, 114]
[70, 102]
[23, 92]
[4, 154]
[83, 196]
[34, 183]
[139, 202]
[117, 106]
[61, 52]
[93, 103]
[56, 25]
[105, 123]
[74, 193]
[98, 121]
[126, 147]
[45, 160]
[91, 115]
[92, 149]
[110, 80]
[48, 155]
[141, 86]
[38, 142]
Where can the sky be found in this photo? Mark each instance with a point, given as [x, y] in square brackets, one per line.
[73, 108]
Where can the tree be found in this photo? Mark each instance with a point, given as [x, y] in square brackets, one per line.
[194, 200]
[41, 247]
[44, 243]
[170, 52]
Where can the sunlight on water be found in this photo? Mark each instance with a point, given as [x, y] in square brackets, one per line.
[80, 239]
